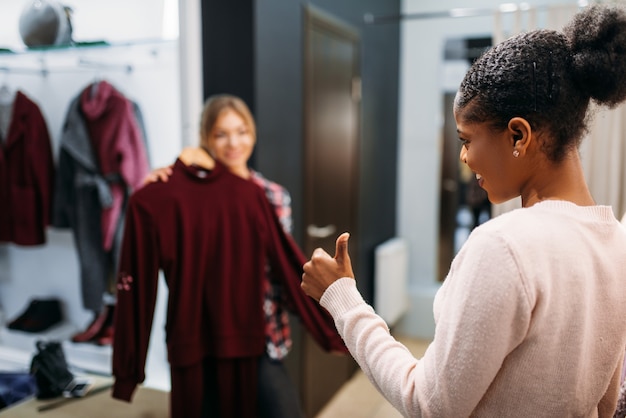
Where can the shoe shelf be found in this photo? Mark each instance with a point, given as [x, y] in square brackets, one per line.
[17, 349]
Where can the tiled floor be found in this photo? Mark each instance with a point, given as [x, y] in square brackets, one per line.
[358, 398]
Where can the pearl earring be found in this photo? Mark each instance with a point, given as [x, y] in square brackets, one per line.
[515, 153]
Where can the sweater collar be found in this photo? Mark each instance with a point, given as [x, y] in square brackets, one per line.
[198, 173]
[599, 212]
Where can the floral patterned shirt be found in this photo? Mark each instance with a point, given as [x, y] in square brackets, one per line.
[277, 330]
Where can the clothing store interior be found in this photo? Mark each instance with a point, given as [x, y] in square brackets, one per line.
[372, 150]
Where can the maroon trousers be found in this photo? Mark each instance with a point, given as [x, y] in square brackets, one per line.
[215, 388]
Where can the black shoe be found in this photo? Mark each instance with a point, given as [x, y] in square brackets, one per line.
[39, 316]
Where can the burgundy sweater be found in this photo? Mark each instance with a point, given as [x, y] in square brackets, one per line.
[211, 233]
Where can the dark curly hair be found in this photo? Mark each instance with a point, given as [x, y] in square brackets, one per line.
[550, 77]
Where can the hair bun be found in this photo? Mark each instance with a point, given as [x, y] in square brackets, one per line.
[597, 37]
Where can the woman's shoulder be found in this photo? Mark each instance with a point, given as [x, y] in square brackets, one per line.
[279, 198]
[518, 226]
[546, 221]
[270, 187]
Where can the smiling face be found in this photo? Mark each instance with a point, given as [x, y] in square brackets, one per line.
[231, 142]
[489, 154]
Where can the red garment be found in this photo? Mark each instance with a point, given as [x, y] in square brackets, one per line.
[211, 233]
[118, 145]
[220, 393]
[26, 176]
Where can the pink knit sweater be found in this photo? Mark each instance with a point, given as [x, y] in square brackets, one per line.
[529, 322]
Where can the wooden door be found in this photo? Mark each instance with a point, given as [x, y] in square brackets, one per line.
[331, 144]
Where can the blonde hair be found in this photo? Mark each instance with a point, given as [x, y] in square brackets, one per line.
[213, 108]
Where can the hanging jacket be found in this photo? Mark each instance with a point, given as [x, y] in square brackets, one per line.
[26, 176]
[102, 158]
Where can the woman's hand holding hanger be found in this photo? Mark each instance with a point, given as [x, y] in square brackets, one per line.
[189, 156]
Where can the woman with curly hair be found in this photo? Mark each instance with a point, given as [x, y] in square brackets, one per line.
[530, 319]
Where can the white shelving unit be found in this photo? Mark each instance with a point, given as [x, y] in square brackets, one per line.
[17, 349]
[147, 72]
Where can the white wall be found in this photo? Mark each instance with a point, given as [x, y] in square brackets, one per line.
[138, 29]
[131, 20]
[420, 130]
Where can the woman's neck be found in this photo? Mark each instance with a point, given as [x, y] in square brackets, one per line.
[243, 172]
[567, 182]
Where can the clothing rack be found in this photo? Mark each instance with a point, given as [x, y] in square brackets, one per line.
[370, 18]
[22, 70]
[67, 60]
[104, 65]
[82, 62]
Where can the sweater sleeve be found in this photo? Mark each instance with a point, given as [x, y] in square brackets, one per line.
[287, 260]
[136, 299]
[482, 313]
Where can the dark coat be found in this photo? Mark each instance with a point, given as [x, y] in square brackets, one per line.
[26, 176]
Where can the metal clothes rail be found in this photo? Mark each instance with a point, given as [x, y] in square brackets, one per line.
[370, 18]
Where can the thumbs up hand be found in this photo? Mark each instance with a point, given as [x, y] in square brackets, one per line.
[322, 270]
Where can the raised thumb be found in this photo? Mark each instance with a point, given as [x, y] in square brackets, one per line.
[341, 247]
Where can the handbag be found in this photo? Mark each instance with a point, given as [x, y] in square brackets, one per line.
[50, 370]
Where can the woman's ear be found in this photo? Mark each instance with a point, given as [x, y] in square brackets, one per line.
[520, 134]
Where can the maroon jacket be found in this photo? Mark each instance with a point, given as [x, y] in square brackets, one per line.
[211, 233]
[118, 145]
[26, 176]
